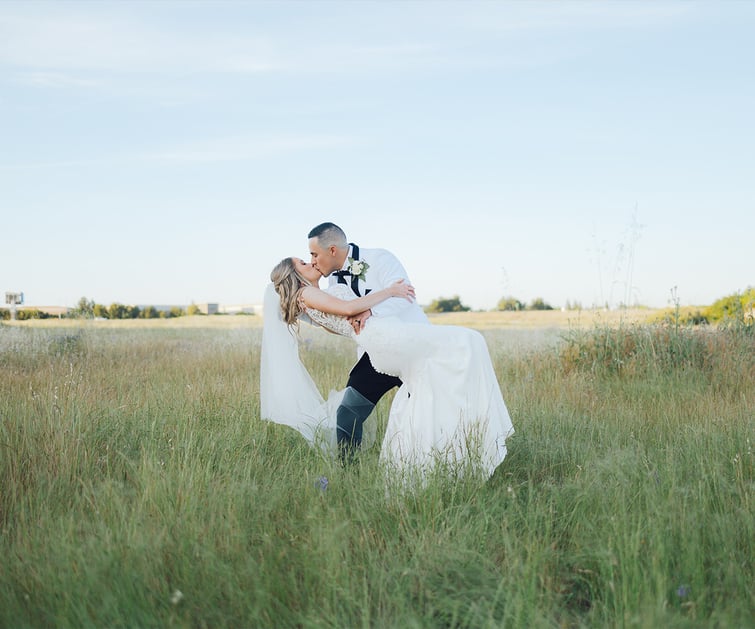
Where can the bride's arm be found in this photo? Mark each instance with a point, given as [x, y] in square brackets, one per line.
[315, 298]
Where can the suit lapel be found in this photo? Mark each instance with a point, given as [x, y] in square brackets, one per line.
[354, 278]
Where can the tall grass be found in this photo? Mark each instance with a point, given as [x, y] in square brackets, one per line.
[141, 489]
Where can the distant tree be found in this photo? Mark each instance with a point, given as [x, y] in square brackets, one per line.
[192, 310]
[510, 303]
[695, 318]
[447, 304]
[31, 313]
[539, 304]
[149, 312]
[175, 311]
[100, 311]
[83, 310]
[738, 306]
[116, 311]
[132, 312]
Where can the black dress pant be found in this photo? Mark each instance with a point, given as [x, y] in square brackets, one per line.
[370, 383]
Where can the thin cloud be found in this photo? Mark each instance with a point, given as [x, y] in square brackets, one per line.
[249, 148]
[88, 44]
[84, 43]
[401, 37]
[55, 80]
[531, 17]
[232, 149]
[107, 47]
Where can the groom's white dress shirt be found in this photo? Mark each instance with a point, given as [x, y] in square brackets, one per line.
[384, 269]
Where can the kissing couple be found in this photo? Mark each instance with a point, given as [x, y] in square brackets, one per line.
[448, 409]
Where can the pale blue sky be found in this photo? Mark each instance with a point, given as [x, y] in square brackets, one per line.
[170, 152]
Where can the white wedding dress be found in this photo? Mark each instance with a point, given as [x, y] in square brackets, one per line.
[449, 410]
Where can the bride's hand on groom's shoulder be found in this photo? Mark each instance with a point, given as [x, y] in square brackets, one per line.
[399, 288]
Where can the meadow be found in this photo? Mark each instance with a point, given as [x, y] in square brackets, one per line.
[140, 488]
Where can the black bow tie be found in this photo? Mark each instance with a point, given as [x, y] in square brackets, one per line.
[341, 275]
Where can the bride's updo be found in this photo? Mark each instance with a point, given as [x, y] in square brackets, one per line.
[288, 283]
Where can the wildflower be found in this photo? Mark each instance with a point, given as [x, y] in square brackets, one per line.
[176, 597]
[682, 591]
[322, 483]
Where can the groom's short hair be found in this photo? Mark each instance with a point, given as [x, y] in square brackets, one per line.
[328, 234]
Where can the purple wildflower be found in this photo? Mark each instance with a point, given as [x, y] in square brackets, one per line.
[322, 483]
[682, 591]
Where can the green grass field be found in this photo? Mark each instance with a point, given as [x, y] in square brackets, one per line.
[139, 487]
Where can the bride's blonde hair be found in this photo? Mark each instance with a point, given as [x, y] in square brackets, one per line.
[288, 284]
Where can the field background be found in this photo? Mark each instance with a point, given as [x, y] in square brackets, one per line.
[141, 489]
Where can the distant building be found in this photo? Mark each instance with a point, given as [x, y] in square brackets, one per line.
[53, 311]
[255, 309]
[160, 307]
[208, 309]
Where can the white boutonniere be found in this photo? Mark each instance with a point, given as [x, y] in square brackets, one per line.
[358, 268]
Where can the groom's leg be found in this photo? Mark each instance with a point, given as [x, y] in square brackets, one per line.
[370, 383]
[364, 390]
[350, 416]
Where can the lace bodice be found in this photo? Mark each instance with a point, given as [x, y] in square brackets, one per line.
[332, 322]
[388, 341]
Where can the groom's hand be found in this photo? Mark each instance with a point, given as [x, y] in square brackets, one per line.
[357, 321]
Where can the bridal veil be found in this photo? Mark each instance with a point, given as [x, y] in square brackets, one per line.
[288, 395]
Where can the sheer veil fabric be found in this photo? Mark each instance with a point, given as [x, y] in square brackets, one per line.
[288, 395]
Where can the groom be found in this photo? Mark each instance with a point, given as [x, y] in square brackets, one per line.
[364, 270]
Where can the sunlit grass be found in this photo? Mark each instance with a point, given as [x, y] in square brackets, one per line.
[134, 465]
[544, 319]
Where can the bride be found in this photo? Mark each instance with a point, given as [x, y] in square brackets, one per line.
[448, 411]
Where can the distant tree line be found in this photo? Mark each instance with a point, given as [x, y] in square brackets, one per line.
[89, 309]
[513, 304]
[453, 304]
[24, 314]
[447, 304]
[738, 307]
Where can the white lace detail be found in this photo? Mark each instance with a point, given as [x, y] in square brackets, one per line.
[385, 336]
[332, 322]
